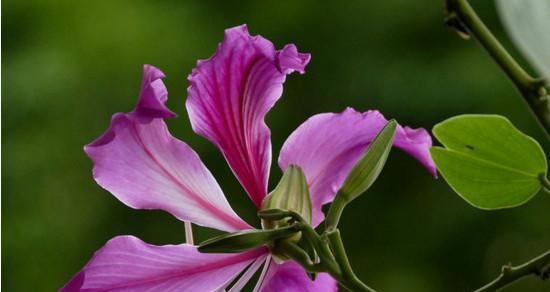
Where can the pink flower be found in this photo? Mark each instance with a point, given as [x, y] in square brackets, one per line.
[141, 164]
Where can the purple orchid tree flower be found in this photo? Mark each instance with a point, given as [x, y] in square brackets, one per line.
[145, 167]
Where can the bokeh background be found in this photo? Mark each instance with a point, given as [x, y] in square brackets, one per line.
[69, 65]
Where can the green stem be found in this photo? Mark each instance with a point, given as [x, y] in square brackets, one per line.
[337, 264]
[333, 261]
[299, 255]
[545, 182]
[323, 251]
[349, 279]
[335, 212]
[461, 15]
[539, 266]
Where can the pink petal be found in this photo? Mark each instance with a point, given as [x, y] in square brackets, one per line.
[290, 277]
[141, 164]
[126, 263]
[231, 93]
[327, 146]
[153, 95]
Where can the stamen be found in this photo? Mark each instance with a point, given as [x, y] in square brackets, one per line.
[247, 275]
[188, 232]
[263, 274]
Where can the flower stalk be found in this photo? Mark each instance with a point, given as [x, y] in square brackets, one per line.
[329, 248]
[462, 17]
[335, 212]
[349, 279]
[332, 258]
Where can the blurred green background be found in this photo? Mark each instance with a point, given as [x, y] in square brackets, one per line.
[69, 65]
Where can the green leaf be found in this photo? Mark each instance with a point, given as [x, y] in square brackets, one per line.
[292, 193]
[528, 23]
[366, 170]
[487, 161]
[245, 240]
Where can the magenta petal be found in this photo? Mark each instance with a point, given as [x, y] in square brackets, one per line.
[290, 277]
[231, 93]
[126, 263]
[146, 168]
[290, 60]
[141, 164]
[153, 95]
[327, 146]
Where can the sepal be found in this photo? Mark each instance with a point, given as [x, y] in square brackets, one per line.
[245, 240]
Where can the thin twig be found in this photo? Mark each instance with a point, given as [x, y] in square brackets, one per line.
[462, 17]
[539, 266]
[544, 182]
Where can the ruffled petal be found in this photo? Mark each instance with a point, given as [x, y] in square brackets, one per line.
[229, 96]
[153, 95]
[326, 147]
[290, 277]
[126, 263]
[141, 164]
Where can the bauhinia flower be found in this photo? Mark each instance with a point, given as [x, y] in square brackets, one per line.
[145, 167]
